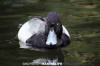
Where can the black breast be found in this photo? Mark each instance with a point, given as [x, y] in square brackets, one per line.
[39, 41]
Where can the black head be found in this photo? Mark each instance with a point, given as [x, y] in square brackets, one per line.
[53, 18]
[53, 22]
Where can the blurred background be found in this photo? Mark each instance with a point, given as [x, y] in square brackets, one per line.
[80, 17]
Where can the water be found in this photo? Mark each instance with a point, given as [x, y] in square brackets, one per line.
[81, 21]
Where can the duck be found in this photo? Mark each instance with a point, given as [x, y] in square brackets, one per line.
[46, 33]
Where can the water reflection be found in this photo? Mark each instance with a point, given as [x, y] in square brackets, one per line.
[53, 57]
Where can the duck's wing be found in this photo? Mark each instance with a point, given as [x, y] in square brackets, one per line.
[31, 27]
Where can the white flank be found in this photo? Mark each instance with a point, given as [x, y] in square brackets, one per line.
[65, 31]
[23, 45]
[33, 26]
[52, 38]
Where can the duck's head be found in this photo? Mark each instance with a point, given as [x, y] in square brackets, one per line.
[53, 28]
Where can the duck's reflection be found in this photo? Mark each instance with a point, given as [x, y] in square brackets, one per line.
[44, 61]
[53, 57]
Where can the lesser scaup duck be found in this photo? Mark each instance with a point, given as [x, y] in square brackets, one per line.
[45, 32]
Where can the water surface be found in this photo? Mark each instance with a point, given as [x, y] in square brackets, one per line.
[80, 17]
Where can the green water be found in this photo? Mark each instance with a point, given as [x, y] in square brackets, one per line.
[80, 17]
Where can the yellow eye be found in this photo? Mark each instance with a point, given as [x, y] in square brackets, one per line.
[57, 24]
